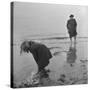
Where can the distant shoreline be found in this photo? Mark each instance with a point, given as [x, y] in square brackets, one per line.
[60, 38]
[48, 38]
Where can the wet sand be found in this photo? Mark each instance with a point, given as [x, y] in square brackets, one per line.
[69, 65]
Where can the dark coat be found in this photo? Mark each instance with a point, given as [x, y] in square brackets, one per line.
[41, 54]
[71, 26]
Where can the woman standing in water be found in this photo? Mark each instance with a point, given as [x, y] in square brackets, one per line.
[71, 26]
[39, 51]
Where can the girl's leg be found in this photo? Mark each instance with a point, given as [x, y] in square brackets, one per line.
[40, 69]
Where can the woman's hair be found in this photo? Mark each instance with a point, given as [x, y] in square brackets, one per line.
[71, 15]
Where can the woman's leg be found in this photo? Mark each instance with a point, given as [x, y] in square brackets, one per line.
[74, 39]
[70, 38]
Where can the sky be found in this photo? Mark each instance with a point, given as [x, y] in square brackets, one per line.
[43, 19]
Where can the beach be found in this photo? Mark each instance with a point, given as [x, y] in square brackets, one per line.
[68, 66]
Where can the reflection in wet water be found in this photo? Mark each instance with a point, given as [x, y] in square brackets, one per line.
[71, 55]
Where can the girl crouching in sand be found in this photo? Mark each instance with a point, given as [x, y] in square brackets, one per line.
[39, 51]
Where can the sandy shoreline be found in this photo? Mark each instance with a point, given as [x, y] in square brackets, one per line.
[69, 66]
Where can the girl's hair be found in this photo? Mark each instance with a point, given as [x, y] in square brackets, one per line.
[25, 46]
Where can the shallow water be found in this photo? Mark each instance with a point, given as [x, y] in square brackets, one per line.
[68, 65]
